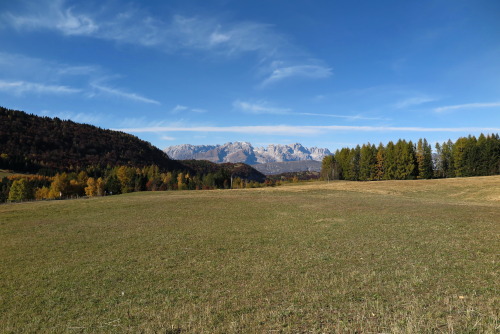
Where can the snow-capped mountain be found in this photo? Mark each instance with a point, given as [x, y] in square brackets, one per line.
[245, 152]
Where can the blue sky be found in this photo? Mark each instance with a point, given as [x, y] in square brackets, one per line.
[321, 73]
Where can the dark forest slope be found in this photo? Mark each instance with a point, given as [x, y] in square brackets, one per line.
[29, 143]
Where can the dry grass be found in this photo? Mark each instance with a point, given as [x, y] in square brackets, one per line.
[343, 257]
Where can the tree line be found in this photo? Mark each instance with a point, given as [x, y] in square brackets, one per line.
[404, 160]
[119, 180]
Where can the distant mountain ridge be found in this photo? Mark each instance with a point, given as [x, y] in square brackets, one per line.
[246, 153]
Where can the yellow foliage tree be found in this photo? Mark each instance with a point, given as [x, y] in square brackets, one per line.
[59, 186]
[42, 193]
[100, 187]
[181, 185]
[91, 188]
[125, 176]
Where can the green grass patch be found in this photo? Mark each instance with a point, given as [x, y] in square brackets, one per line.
[5, 173]
[372, 257]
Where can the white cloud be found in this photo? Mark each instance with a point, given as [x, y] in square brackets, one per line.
[355, 117]
[167, 138]
[413, 101]
[260, 108]
[21, 87]
[278, 129]
[468, 106]
[217, 38]
[301, 130]
[35, 69]
[125, 95]
[133, 25]
[180, 108]
[264, 108]
[304, 71]
[52, 15]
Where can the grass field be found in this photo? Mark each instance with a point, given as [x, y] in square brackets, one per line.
[5, 173]
[339, 257]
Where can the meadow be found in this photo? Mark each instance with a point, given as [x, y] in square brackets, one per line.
[340, 257]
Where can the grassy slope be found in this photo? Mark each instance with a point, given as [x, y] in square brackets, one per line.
[407, 257]
[5, 173]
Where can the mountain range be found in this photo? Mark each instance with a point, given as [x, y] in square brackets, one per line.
[246, 153]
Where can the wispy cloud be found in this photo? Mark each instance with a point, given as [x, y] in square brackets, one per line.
[167, 138]
[21, 87]
[354, 117]
[468, 106]
[53, 15]
[260, 108]
[304, 71]
[36, 69]
[301, 130]
[171, 33]
[413, 101]
[134, 25]
[180, 108]
[124, 95]
[264, 107]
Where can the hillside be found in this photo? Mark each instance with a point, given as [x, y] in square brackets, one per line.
[273, 168]
[240, 170]
[246, 153]
[30, 143]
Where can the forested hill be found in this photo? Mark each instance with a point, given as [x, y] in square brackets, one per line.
[30, 143]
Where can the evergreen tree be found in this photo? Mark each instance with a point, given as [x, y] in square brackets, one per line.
[459, 156]
[406, 168]
[342, 158]
[328, 168]
[354, 159]
[367, 162]
[391, 163]
[380, 164]
[424, 159]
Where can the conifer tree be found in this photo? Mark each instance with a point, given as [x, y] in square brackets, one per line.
[424, 159]
[367, 162]
[328, 168]
[354, 159]
[380, 164]
[390, 169]
[459, 156]
[342, 158]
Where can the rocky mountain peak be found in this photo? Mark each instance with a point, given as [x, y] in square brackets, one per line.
[245, 152]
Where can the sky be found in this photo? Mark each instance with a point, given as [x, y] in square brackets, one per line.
[322, 73]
